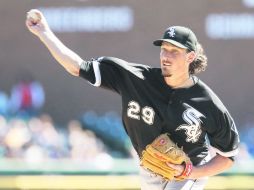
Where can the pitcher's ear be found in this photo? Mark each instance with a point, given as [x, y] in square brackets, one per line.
[191, 56]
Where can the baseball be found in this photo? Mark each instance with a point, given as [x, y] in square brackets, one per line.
[33, 14]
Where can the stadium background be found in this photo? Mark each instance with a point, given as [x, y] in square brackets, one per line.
[123, 29]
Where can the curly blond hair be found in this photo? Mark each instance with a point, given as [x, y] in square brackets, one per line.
[200, 63]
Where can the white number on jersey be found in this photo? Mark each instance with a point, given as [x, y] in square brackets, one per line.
[133, 110]
[147, 113]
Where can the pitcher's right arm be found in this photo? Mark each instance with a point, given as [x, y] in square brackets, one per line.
[64, 56]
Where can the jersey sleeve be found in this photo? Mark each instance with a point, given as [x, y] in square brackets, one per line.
[223, 135]
[111, 73]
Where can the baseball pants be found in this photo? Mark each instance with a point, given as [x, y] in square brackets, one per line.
[150, 181]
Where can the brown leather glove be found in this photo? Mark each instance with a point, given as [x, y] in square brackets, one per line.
[161, 151]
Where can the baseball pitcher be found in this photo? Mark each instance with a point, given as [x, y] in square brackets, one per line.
[172, 118]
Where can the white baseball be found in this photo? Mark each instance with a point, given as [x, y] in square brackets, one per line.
[33, 15]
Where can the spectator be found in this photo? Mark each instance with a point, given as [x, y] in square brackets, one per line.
[27, 97]
[3, 103]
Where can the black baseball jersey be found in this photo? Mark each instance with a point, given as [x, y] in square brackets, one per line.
[192, 116]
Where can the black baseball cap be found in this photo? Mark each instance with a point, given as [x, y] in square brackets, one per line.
[179, 36]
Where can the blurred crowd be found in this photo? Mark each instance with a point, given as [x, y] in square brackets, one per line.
[26, 98]
[247, 142]
[27, 134]
[38, 139]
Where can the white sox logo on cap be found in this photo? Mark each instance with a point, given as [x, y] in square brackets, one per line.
[179, 36]
[171, 32]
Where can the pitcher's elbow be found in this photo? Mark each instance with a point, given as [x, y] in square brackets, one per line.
[73, 71]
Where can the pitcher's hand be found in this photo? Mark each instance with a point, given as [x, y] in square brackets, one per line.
[36, 22]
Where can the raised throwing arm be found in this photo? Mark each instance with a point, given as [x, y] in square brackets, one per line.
[37, 24]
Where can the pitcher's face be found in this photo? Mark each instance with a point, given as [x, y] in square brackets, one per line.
[174, 61]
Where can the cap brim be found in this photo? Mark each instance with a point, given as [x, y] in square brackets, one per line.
[159, 42]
